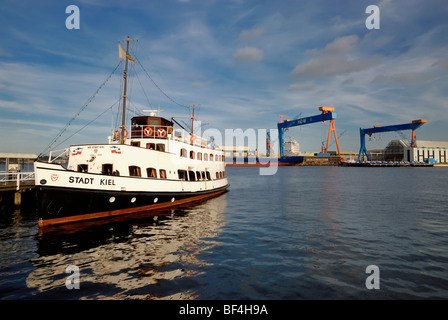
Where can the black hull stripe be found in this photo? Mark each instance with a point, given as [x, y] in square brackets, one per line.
[82, 205]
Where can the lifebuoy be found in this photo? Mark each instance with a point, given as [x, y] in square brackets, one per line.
[118, 134]
[147, 131]
[161, 132]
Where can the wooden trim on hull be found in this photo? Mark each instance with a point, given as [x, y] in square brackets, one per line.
[120, 212]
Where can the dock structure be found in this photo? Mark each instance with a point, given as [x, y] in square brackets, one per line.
[387, 164]
[16, 177]
[414, 125]
[327, 114]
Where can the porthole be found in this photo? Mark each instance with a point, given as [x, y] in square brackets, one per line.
[156, 199]
[112, 199]
[133, 199]
[172, 199]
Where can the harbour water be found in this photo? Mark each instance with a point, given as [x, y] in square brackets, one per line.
[303, 233]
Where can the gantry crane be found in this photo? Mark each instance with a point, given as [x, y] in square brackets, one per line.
[327, 114]
[414, 125]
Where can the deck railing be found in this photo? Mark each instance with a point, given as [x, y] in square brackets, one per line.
[17, 179]
[148, 131]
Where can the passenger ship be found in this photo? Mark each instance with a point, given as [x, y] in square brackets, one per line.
[149, 165]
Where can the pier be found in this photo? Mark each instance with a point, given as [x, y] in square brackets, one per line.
[15, 186]
[16, 178]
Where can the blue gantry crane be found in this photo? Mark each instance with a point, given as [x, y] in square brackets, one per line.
[414, 125]
[327, 114]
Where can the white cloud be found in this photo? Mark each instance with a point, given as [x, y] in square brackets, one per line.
[248, 54]
[194, 53]
[250, 34]
[337, 58]
[301, 87]
[4, 53]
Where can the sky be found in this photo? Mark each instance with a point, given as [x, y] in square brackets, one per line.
[242, 62]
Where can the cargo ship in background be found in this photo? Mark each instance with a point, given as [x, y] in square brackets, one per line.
[291, 148]
[145, 166]
[289, 151]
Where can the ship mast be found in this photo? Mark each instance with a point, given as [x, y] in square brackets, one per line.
[192, 121]
[125, 76]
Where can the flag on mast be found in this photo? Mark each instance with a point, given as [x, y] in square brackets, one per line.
[122, 54]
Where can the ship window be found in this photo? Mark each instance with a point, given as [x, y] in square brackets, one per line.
[162, 173]
[151, 172]
[203, 175]
[182, 175]
[223, 174]
[140, 122]
[199, 156]
[191, 176]
[151, 146]
[217, 176]
[161, 147]
[198, 175]
[206, 156]
[135, 171]
[183, 153]
[191, 154]
[211, 157]
[107, 169]
[223, 158]
[135, 143]
[82, 168]
[154, 122]
[208, 175]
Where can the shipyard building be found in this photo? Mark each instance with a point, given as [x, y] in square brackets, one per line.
[401, 150]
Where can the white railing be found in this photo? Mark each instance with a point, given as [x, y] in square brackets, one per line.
[14, 178]
[150, 131]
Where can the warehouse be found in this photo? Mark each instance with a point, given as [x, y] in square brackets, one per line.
[401, 150]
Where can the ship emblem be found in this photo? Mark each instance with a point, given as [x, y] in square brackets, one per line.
[76, 151]
[115, 149]
[54, 177]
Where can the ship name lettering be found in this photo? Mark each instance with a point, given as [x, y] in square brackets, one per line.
[107, 182]
[80, 180]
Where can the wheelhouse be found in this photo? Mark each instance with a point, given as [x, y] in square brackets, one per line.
[150, 127]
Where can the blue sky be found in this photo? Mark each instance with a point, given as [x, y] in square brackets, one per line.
[245, 62]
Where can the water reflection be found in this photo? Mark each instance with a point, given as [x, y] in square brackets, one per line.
[138, 257]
